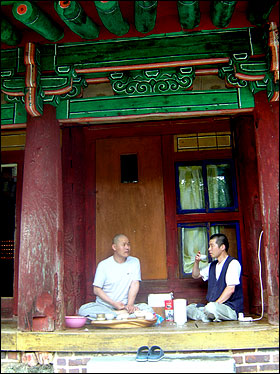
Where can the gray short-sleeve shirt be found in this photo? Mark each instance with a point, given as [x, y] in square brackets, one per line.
[115, 278]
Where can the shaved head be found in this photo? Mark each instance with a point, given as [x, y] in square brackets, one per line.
[117, 237]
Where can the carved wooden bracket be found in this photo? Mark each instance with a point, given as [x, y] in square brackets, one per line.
[152, 81]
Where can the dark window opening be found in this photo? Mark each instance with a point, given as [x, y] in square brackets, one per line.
[129, 168]
[7, 232]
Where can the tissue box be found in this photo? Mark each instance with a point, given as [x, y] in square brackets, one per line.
[157, 299]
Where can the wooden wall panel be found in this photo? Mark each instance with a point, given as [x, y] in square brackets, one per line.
[135, 209]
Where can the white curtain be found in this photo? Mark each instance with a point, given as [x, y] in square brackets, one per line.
[191, 187]
[216, 229]
[194, 239]
[219, 189]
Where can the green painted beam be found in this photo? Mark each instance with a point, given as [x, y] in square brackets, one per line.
[154, 49]
[129, 62]
[48, 82]
[12, 61]
[145, 15]
[30, 15]
[13, 113]
[8, 2]
[9, 35]
[111, 17]
[258, 11]
[76, 19]
[221, 12]
[189, 14]
[14, 84]
[188, 102]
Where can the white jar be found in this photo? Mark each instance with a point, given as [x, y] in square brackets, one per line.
[180, 311]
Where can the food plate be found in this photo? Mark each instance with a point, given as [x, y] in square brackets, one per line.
[129, 323]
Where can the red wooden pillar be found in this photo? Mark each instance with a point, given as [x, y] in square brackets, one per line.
[245, 148]
[40, 296]
[170, 206]
[267, 146]
[90, 213]
[73, 162]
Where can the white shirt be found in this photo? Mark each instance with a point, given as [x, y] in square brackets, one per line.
[115, 278]
[232, 274]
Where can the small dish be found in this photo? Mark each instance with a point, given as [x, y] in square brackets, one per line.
[140, 314]
[100, 317]
[149, 316]
[109, 316]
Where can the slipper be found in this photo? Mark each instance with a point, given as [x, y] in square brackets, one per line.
[155, 353]
[142, 353]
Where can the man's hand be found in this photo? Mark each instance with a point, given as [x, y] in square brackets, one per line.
[118, 305]
[198, 257]
[195, 270]
[100, 293]
[131, 308]
[226, 294]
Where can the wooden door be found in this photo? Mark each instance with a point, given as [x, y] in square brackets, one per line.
[134, 209]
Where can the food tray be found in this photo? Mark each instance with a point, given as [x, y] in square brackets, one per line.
[129, 323]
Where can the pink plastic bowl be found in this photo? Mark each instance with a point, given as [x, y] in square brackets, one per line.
[75, 321]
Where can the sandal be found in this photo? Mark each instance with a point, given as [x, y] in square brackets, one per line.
[155, 353]
[142, 353]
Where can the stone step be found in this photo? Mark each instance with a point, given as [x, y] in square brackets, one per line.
[170, 363]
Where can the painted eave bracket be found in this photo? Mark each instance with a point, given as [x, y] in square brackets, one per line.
[32, 78]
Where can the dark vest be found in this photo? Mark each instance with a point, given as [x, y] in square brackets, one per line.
[216, 287]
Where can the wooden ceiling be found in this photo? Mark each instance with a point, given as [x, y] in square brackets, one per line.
[169, 16]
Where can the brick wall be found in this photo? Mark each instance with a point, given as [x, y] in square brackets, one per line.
[247, 361]
[256, 360]
[10, 357]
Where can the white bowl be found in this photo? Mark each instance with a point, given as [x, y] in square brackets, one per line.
[109, 316]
